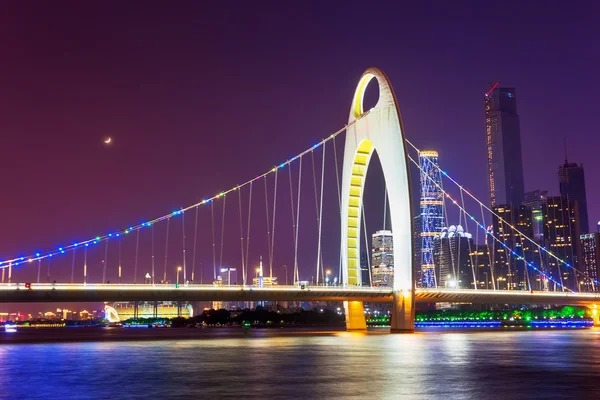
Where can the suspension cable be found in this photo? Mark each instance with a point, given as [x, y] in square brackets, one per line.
[183, 246]
[21, 260]
[85, 265]
[212, 218]
[248, 229]
[105, 261]
[384, 203]
[366, 244]
[337, 178]
[72, 266]
[314, 174]
[137, 250]
[152, 232]
[166, 251]
[533, 242]
[194, 252]
[481, 226]
[242, 236]
[39, 270]
[490, 258]
[48, 271]
[293, 217]
[120, 259]
[296, 272]
[270, 254]
[273, 226]
[319, 254]
[555, 235]
[222, 233]
[477, 256]
[462, 198]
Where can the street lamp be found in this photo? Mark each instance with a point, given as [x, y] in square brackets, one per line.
[286, 275]
[327, 273]
[178, 271]
[257, 271]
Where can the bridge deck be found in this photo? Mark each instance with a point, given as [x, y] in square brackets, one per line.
[11, 293]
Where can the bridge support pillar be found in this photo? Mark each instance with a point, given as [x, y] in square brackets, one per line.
[355, 316]
[403, 312]
[596, 315]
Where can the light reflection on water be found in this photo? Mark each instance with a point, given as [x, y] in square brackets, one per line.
[431, 365]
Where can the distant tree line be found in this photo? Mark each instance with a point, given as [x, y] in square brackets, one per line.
[260, 317]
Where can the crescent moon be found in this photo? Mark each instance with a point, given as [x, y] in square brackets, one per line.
[108, 140]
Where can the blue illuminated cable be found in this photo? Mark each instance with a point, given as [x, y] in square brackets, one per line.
[22, 259]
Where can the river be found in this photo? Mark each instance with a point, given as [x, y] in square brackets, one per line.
[304, 364]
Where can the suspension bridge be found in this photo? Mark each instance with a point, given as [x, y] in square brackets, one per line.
[322, 211]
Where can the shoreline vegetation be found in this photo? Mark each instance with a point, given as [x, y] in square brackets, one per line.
[566, 317]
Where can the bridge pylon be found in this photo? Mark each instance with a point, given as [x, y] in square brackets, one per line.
[378, 129]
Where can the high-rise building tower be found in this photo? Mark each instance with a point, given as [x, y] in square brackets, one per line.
[590, 258]
[431, 218]
[505, 164]
[572, 186]
[382, 260]
[561, 234]
[511, 250]
[452, 251]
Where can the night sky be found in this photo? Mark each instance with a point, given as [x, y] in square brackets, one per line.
[201, 96]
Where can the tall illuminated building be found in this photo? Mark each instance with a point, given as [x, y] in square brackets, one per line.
[562, 233]
[572, 186]
[431, 215]
[503, 132]
[590, 257]
[382, 258]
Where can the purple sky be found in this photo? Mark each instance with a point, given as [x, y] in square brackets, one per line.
[204, 95]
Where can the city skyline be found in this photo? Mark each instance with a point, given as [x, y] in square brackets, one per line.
[162, 109]
[299, 199]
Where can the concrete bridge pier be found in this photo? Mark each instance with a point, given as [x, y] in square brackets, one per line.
[595, 315]
[355, 316]
[403, 312]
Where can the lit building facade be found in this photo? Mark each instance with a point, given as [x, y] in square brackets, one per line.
[590, 257]
[535, 200]
[561, 233]
[417, 250]
[451, 253]
[382, 261]
[571, 180]
[503, 133]
[511, 271]
[431, 216]
[122, 311]
[481, 258]
[364, 268]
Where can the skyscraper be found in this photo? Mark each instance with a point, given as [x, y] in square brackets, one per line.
[382, 261]
[452, 251]
[417, 226]
[572, 186]
[590, 257]
[561, 234]
[509, 269]
[505, 164]
[431, 218]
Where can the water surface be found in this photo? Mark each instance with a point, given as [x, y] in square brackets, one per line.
[264, 364]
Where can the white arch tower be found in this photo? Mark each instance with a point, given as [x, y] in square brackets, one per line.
[380, 130]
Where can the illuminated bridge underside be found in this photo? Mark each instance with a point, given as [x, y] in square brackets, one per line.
[115, 293]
